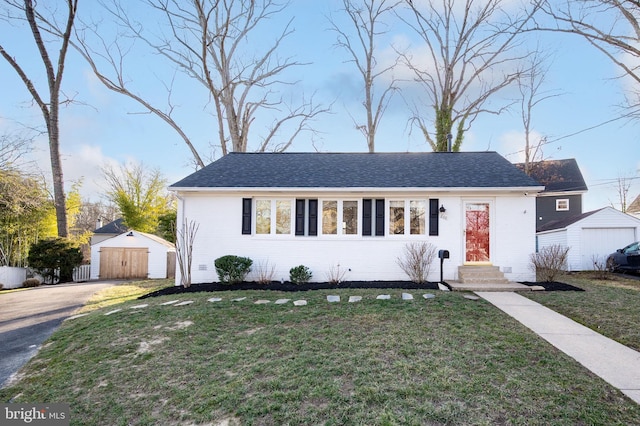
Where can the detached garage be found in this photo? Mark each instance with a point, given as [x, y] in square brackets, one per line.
[133, 255]
[590, 236]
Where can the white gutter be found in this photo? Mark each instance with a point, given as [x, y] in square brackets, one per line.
[525, 189]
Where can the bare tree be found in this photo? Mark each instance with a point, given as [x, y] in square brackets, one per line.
[185, 236]
[622, 186]
[532, 93]
[611, 26]
[13, 147]
[366, 17]
[49, 108]
[214, 43]
[471, 47]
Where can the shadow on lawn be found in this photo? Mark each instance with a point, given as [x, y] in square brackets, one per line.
[554, 286]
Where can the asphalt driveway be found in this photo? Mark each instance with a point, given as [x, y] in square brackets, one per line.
[29, 317]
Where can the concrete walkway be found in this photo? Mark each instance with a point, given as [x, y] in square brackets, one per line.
[613, 362]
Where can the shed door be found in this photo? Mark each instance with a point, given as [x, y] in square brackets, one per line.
[601, 242]
[124, 263]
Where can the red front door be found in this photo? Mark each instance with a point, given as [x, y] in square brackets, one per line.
[477, 232]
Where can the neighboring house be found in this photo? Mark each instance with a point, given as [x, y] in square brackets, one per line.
[564, 186]
[591, 236]
[109, 230]
[634, 208]
[358, 212]
[132, 254]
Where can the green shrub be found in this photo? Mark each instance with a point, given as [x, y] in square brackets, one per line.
[55, 259]
[232, 269]
[299, 274]
[31, 282]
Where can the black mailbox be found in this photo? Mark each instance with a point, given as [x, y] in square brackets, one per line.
[442, 255]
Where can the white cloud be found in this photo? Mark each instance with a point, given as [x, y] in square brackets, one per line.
[512, 145]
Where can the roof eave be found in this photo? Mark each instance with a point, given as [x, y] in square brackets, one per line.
[524, 189]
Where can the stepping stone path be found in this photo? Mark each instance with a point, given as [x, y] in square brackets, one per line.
[76, 316]
[470, 297]
[139, 306]
[214, 299]
[407, 296]
[353, 299]
[239, 299]
[384, 297]
[186, 302]
[171, 302]
[282, 301]
[112, 312]
[300, 303]
[261, 302]
[429, 296]
[443, 287]
[332, 299]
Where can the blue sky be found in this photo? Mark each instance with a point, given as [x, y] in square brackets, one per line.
[102, 126]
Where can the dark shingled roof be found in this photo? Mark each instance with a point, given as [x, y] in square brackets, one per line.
[359, 170]
[563, 223]
[557, 175]
[115, 227]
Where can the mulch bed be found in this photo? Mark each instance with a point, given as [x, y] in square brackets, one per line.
[554, 286]
[289, 286]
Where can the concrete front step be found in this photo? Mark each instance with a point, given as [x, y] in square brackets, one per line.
[509, 286]
[481, 274]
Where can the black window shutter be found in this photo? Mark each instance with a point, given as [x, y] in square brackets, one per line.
[380, 217]
[433, 216]
[300, 217]
[313, 217]
[246, 216]
[366, 216]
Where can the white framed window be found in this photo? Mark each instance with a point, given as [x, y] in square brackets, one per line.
[562, 205]
[407, 217]
[396, 217]
[417, 217]
[273, 217]
[339, 217]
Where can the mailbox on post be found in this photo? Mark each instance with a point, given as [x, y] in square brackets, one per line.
[442, 255]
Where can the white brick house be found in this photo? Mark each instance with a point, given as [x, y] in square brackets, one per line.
[359, 210]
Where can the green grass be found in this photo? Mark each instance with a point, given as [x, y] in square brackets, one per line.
[376, 362]
[123, 292]
[610, 307]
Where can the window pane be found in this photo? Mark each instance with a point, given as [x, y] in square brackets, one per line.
[396, 217]
[263, 216]
[417, 212]
[350, 217]
[329, 217]
[283, 217]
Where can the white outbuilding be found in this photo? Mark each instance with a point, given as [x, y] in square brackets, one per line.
[590, 236]
[132, 255]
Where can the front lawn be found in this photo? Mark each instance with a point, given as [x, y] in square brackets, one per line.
[610, 307]
[448, 360]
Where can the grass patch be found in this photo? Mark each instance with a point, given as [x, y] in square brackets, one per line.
[610, 307]
[448, 360]
[123, 292]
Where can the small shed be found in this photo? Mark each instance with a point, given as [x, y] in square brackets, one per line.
[590, 236]
[132, 255]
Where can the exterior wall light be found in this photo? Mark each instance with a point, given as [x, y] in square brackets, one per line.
[130, 234]
[442, 209]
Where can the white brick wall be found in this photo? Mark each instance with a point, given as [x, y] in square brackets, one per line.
[368, 258]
